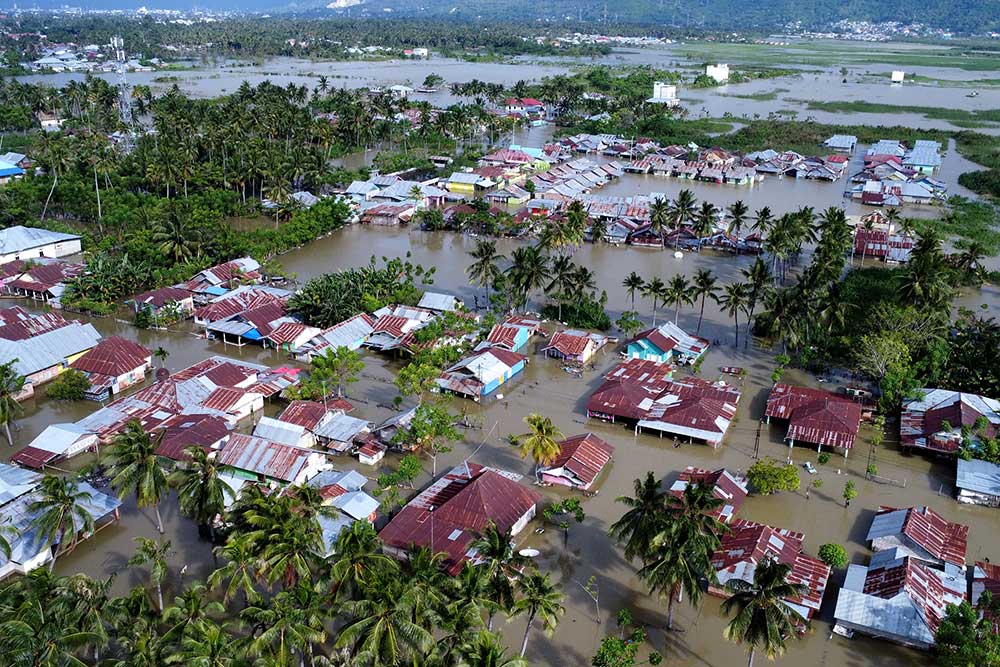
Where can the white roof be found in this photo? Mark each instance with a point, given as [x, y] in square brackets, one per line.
[276, 430]
[50, 348]
[978, 476]
[19, 238]
[438, 301]
[355, 504]
[16, 481]
[342, 428]
[57, 438]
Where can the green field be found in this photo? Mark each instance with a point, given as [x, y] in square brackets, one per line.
[958, 117]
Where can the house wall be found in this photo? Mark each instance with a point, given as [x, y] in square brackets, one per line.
[461, 188]
[975, 498]
[558, 479]
[635, 351]
[523, 521]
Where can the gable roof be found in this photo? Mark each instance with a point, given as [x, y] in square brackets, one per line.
[815, 415]
[113, 357]
[584, 456]
[19, 238]
[264, 457]
[724, 485]
[941, 538]
[183, 431]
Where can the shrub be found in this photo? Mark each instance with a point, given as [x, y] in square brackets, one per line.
[71, 385]
[823, 458]
[833, 555]
[767, 476]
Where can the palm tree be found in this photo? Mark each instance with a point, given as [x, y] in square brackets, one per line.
[174, 237]
[538, 598]
[241, 570]
[763, 221]
[502, 563]
[380, 627]
[678, 562]
[191, 611]
[633, 283]
[155, 555]
[209, 645]
[529, 271]
[280, 631]
[738, 213]
[202, 494]
[762, 619]
[758, 280]
[682, 212]
[659, 216]
[54, 154]
[653, 289]
[11, 384]
[644, 520]
[733, 300]
[562, 273]
[134, 468]
[357, 562]
[541, 442]
[704, 286]
[704, 221]
[484, 270]
[61, 509]
[484, 649]
[677, 292]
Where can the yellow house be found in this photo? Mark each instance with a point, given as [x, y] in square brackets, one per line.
[467, 183]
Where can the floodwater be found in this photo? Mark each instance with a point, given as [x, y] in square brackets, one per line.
[814, 83]
[545, 387]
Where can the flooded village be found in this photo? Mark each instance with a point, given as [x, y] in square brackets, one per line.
[394, 317]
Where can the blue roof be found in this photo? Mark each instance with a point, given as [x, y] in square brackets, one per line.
[8, 169]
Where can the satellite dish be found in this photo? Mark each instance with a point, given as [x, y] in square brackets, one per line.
[678, 254]
[529, 553]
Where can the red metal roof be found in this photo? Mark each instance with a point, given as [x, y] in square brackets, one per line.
[724, 486]
[814, 415]
[504, 335]
[224, 399]
[391, 324]
[448, 515]
[183, 431]
[18, 324]
[748, 544]
[569, 344]
[286, 332]
[918, 581]
[584, 455]
[264, 457]
[113, 357]
[228, 374]
[941, 538]
[32, 457]
[161, 297]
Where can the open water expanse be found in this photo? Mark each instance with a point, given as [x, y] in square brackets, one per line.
[545, 387]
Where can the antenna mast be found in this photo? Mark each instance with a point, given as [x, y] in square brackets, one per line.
[124, 94]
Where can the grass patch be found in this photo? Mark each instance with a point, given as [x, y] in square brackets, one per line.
[767, 96]
[968, 221]
[936, 113]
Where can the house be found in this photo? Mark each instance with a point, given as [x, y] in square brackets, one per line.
[176, 434]
[897, 76]
[719, 73]
[691, 408]
[508, 196]
[18, 160]
[351, 333]
[29, 547]
[924, 157]
[20, 242]
[921, 533]
[881, 244]
[749, 544]
[940, 419]
[886, 147]
[219, 280]
[523, 106]
[370, 453]
[310, 415]
[842, 143]
[468, 183]
[387, 430]
[174, 300]
[985, 577]
[439, 303]
[43, 280]
[574, 345]
[43, 345]
[664, 93]
[257, 459]
[55, 443]
[450, 515]
[725, 486]
[579, 463]
[388, 215]
[815, 416]
[667, 342]
[508, 336]
[342, 490]
[340, 432]
[897, 598]
[481, 373]
[394, 325]
[977, 482]
[9, 172]
[252, 314]
[112, 366]
[49, 120]
[283, 432]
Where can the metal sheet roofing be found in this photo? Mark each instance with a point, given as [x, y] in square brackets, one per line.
[941, 538]
[342, 428]
[19, 238]
[275, 430]
[264, 457]
[583, 456]
[49, 349]
[978, 476]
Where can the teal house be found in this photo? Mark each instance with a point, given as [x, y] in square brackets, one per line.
[667, 343]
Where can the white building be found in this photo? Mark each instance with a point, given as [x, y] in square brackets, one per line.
[718, 72]
[898, 76]
[664, 93]
[20, 242]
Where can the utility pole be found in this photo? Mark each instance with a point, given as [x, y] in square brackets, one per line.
[124, 95]
[756, 442]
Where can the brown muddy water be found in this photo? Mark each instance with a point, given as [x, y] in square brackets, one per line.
[546, 388]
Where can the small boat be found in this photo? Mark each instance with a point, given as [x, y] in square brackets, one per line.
[529, 553]
[732, 370]
[974, 93]
[426, 89]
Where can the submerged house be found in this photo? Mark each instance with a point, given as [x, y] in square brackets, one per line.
[815, 416]
[897, 598]
[29, 547]
[112, 366]
[55, 443]
[576, 346]
[481, 373]
[343, 490]
[977, 482]
[749, 544]
[940, 419]
[691, 408]
[450, 514]
[665, 343]
[42, 345]
[19, 242]
[351, 333]
[725, 486]
[579, 463]
[221, 279]
[157, 301]
[257, 459]
[920, 533]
